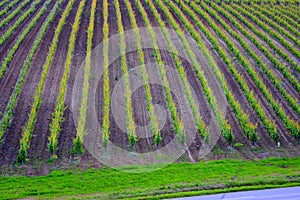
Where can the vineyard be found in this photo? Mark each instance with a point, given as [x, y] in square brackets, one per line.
[250, 49]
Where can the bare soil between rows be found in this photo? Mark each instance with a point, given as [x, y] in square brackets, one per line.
[38, 154]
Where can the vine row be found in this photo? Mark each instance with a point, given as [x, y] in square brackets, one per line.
[257, 11]
[106, 81]
[9, 6]
[254, 102]
[178, 124]
[265, 27]
[224, 125]
[8, 113]
[21, 38]
[263, 36]
[25, 15]
[57, 115]
[154, 126]
[289, 123]
[29, 126]
[293, 103]
[273, 15]
[130, 124]
[13, 14]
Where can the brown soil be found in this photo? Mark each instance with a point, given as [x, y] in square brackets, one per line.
[38, 147]
[11, 39]
[10, 145]
[15, 18]
[14, 68]
[274, 40]
[52, 84]
[252, 86]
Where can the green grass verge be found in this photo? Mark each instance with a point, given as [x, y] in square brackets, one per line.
[175, 180]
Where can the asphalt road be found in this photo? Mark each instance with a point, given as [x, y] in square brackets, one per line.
[292, 193]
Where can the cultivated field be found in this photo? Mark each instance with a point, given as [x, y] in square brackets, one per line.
[252, 49]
